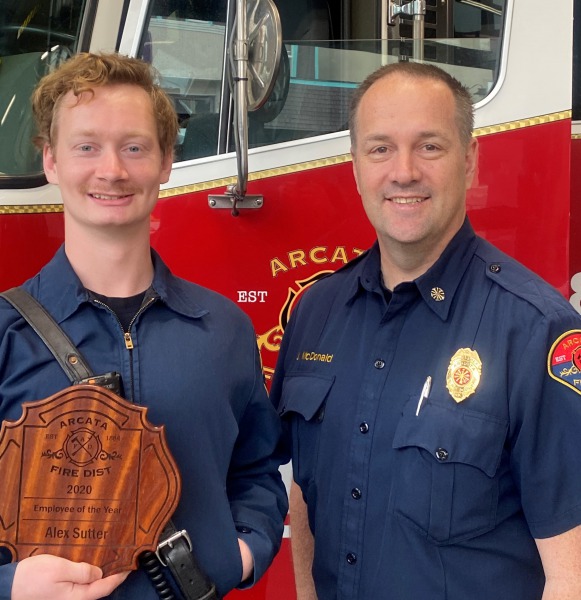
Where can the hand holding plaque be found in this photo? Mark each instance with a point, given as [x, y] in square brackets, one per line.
[87, 478]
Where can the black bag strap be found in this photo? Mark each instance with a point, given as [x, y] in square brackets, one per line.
[174, 549]
[56, 340]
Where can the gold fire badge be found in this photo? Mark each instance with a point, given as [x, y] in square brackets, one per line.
[463, 374]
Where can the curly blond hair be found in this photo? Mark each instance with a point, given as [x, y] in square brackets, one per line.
[86, 71]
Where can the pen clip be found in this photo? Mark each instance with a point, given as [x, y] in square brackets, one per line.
[425, 393]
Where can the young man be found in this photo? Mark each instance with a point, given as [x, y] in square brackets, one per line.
[189, 355]
[437, 454]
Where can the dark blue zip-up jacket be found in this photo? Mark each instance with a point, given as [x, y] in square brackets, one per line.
[195, 366]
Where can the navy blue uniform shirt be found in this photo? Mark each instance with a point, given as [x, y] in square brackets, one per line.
[194, 365]
[443, 504]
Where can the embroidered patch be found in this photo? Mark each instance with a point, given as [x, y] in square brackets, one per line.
[564, 360]
[463, 374]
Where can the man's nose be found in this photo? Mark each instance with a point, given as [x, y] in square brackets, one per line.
[111, 166]
[404, 167]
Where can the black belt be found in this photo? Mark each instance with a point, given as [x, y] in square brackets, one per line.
[175, 552]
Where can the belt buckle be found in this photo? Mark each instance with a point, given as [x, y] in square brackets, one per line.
[170, 541]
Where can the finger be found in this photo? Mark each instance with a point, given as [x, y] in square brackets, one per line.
[104, 587]
[82, 573]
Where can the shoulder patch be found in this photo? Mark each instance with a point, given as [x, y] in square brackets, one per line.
[564, 360]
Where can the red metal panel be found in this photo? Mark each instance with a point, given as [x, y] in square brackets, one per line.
[27, 242]
[576, 215]
[521, 197]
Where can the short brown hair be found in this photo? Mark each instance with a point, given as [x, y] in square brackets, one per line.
[86, 71]
[464, 107]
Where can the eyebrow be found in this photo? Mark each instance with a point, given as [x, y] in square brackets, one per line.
[422, 135]
[90, 133]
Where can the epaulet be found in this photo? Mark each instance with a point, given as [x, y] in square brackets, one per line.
[517, 279]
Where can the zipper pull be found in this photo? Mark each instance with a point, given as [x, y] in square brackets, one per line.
[128, 341]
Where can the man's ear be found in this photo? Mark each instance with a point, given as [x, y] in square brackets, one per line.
[166, 165]
[471, 161]
[354, 165]
[49, 164]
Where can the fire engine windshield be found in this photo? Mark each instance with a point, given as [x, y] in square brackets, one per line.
[34, 36]
[329, 47]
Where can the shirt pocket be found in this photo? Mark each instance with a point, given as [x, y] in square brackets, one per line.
[445, 472]
[302, 406]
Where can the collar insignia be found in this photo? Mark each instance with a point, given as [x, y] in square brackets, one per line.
[564, 360]
[463, 374]
[437, 294]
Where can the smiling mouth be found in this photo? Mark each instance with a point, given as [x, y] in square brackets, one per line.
[401, 200]
[111, 197]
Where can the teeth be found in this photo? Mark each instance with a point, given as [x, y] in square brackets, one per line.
[406, 200]
[105, 197]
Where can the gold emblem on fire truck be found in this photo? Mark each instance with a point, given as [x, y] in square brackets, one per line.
[463, 374]
[272, 339]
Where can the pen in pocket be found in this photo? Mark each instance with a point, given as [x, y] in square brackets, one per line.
[425, 393]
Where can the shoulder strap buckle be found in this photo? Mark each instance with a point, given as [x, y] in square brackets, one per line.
[169, 542]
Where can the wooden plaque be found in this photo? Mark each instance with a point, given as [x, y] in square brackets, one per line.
[85, 477]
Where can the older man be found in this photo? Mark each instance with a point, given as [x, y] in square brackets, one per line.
[436, 455]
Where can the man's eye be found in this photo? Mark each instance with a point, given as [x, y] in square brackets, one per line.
[134, 149]
[380, 150]
[86, 148]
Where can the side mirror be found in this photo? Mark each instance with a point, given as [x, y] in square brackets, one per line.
[264, 51]
[254, 54]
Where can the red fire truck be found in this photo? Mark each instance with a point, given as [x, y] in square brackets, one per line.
[261, 201]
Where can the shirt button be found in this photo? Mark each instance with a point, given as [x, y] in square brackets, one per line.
[351, 558]
[442, 454]
[495, 268]
[364, 427]
[242, 529]
[379, 364]
[356, 493]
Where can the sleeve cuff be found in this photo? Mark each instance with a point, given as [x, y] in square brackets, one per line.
[261, 553]
[6, 579]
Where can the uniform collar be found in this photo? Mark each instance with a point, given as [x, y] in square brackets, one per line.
[180, 295]
[370, 272]
[60, 288]
[437, 286]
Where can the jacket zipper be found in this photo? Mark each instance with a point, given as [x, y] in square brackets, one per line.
[127, 336]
